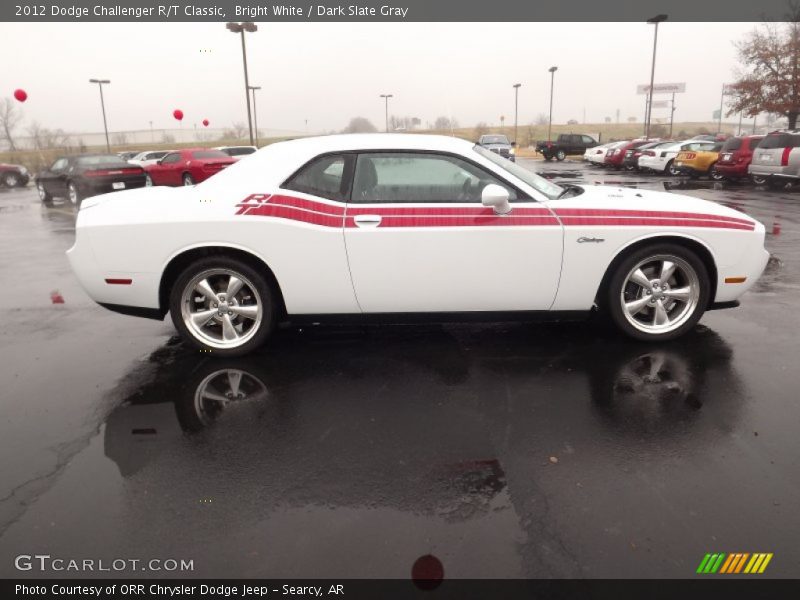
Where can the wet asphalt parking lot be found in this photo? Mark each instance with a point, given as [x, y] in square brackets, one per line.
[508, 450]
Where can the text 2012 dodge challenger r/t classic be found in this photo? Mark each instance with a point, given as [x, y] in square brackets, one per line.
[397, 227]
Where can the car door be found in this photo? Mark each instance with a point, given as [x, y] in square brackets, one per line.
[167, 170]
[419, 239]
[55, 178]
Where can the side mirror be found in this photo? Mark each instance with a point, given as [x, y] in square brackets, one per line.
[513, 144]
[496, 196]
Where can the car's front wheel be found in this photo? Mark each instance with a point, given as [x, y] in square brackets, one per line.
[658, 292]
[672, 169]
[223, 306]
[74, 194]
[187, 179]
[45, 196]
[561, 155]
[148, 181]
[715, 174]
[758, 179]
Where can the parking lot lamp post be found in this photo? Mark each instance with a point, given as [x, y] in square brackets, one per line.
[100, 83]
[386, 102]
[516, 107]
[241, 28]
[255, 110]
[654, 21]
[552, 83]
[672, 115]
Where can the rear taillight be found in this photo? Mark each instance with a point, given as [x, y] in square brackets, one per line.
[785, 157]
[111, 172]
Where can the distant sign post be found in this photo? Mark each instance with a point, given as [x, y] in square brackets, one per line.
[727, 90]
[660, 88]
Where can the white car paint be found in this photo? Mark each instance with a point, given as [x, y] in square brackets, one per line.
[597, 155]
[151, 157]
[662, 158]
[324, 263]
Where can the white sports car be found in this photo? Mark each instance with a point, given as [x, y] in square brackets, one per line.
[397, 227]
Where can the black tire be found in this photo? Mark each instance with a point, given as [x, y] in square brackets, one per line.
[758, 179]
[45, 196]
[561, 155]
[74, 194]
[714, 174]
[774, 183]
[611, 302]
[187, 179]
[12, 180]
[548, 157]
[630, 167]
[261, 285]
[670, 171]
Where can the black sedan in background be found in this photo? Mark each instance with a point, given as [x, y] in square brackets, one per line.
[84, 175]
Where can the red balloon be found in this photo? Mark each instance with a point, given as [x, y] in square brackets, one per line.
[205, 122]
[20, 95]
[178, 114]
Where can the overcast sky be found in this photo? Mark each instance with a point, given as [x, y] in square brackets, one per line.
[330, 72]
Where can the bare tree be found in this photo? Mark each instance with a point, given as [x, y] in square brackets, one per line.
[359, 125]
[542, 119]
[120, 139]
[44, 138]
[769, 80]
[10, 117]
[445, 123]
[237, 131]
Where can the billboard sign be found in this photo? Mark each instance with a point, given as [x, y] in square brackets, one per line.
[662, 88]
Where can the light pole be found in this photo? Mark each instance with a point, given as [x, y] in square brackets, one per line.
[721, 104]
[516, 106]
[552, 83]
[100, 83]
[386, 100]
[255, 111]
[654, 21]
[241, 28]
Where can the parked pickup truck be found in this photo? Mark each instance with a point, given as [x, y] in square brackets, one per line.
[567, 143]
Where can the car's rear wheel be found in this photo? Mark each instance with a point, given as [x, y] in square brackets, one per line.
[74, 194]
[187, 179]
[224, 306]
[658, 292]
[714, 174]
[11, 180]
[758, 179]
[44, 195]
[561, 155]
[671, 169]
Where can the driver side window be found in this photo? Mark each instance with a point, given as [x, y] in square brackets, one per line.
[396, 177]
[171, 158]
[59, 165]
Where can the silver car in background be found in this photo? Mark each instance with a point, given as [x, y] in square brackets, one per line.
[776, 160]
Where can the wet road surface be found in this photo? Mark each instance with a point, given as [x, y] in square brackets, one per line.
[501, 450]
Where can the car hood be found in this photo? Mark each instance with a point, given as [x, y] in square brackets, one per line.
[606, 197]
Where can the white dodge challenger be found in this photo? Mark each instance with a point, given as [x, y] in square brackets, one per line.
[400, 227]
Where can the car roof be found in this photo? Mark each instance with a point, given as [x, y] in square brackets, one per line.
[376, 141]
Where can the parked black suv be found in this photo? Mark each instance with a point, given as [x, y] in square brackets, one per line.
[567, 143]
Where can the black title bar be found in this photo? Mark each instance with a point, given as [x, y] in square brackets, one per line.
[392, 10]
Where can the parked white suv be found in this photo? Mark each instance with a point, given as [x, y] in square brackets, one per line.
[776, 160]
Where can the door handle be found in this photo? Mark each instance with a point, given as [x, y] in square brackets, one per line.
[367, 220]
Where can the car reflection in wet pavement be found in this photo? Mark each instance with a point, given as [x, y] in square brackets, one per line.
[508, 450]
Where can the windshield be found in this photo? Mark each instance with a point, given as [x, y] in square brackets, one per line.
[494, 139]
[542, 185]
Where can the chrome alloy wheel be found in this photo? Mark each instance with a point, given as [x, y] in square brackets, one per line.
[660, 294]
[40, 189]
[221, 308]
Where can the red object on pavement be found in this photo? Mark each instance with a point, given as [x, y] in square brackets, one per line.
[20, 95]
[56, 297]
[178, 114]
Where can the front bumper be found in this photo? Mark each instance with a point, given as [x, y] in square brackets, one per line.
[732, 170]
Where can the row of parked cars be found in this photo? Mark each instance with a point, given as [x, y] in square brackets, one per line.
[81, 176]
[772, 159]
[84, 175]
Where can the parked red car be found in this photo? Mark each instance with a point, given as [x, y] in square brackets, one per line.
[616, 154]
[736, 155]
[187, 167]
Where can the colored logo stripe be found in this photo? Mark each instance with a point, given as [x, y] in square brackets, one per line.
[734, 563]
[331, 215]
